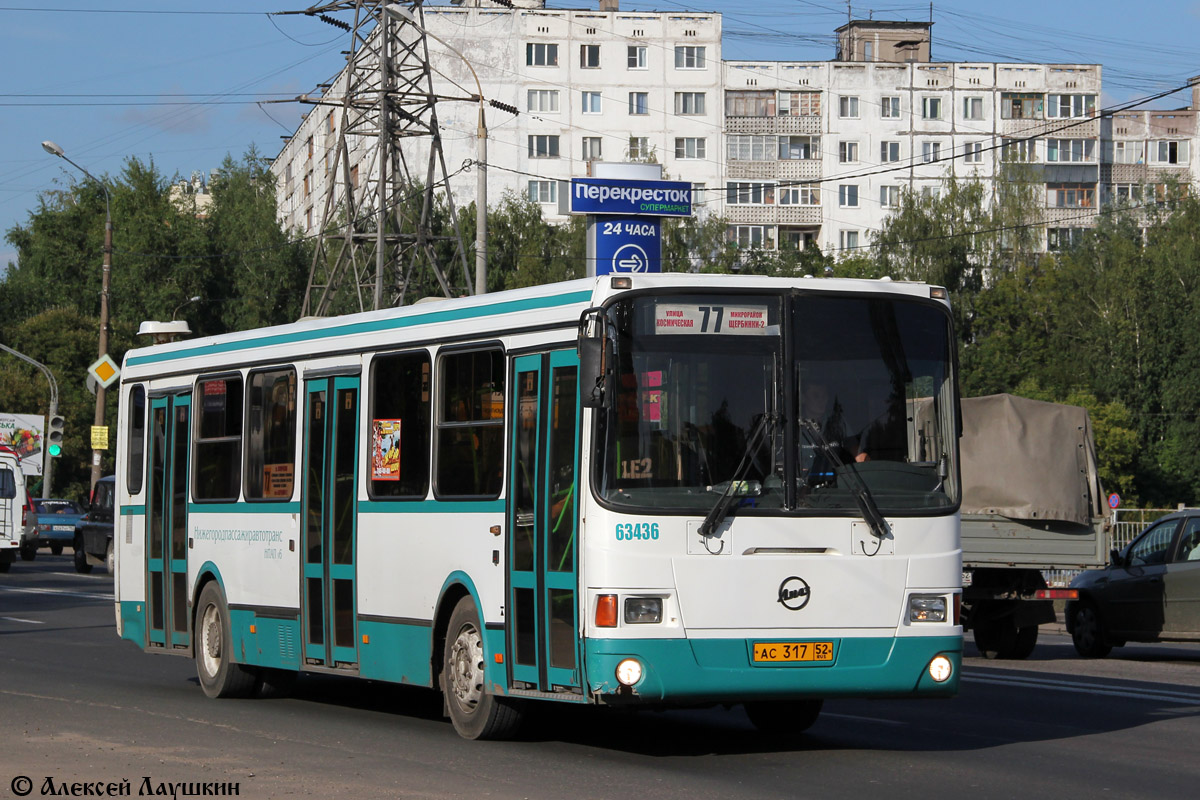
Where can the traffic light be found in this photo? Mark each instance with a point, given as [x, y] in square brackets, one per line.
[54, 436]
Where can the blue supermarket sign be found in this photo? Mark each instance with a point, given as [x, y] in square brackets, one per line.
[625, 245]
[617, 196]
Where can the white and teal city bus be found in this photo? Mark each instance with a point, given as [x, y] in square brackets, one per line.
[651, 490]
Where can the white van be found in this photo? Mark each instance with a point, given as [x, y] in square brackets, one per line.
[17, 518]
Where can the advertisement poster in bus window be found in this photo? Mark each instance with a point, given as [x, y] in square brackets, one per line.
[385, 450]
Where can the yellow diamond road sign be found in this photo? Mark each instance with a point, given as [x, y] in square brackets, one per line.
[105, 371]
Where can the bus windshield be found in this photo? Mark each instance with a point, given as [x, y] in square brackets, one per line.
[804, 399]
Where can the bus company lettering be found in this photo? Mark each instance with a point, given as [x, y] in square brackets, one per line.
[232, 535]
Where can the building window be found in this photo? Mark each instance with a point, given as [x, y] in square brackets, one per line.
[1020, 149]
[1070, 150]
[749, 104]
[218, 453]
[470, 421]
[591, 102]
[307, 184]
[931, 108]
[848, 240]
[848, 195]
[271, 441]
[973, 152]
[639, 103]
[689, 147]
[796, 148]
[848, 107]
[637, 56]
[889, 152]
[1126, 193]
[889, 196]
[848, 152]
[1169, 152]
[401, 416]
[1064, 238]
[799, 196]
[639, 147]
[972, 108]
[543, 191]
[931, 151]
[751, 236]
[744, 147]
[689, 103]
[1020, 105]
[1128, 152]
[689, 57]
[310, 147]
[1069, 106]
[749, 193]
[1070, 195]
[891, 108]
[799, 104]
[541, 55]
[589, 56]
[592, 148]
[543, 146]
[543, 100]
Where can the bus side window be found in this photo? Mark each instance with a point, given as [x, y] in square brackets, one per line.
[137, 438]
[400, 421]
[470, 440]
[271, 439]
[218, 453]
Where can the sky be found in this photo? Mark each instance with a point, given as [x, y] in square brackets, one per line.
[183, 83]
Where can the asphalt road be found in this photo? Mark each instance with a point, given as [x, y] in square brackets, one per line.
[79, 705]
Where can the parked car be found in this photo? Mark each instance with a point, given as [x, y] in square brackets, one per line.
[1149, 592]
[94, 531]
[55, 524]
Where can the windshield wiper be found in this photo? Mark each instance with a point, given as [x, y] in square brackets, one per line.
[724, 503]
[862, 495]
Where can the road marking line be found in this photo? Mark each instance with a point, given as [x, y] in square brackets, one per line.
[1088, 688]
[62, 592]
[29, 621]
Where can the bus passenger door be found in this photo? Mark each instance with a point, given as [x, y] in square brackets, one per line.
[166, 505]
[543, 618]
[330, 475]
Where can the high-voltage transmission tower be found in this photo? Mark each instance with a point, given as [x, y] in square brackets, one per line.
[376, 241]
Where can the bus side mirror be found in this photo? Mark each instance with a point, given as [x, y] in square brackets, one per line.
[595, 359]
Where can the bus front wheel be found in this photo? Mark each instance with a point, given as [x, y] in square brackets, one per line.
[219, 675]
[475, 712]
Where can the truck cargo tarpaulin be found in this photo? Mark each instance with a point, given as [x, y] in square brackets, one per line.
[22, 433]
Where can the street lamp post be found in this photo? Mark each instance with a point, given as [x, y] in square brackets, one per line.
[480, 152]
[55, 150]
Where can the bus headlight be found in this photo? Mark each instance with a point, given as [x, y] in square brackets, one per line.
[927, 608]
[629, 672]
[940, 669]
[643, 610]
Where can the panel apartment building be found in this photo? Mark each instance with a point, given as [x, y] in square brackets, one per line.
[790, 153]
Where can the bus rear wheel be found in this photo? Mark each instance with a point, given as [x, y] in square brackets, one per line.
[475, 712]
[783, 717]
[219, 675]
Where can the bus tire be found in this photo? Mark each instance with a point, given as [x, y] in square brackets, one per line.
[219, 675]
[475, 712]
[81, 563]
[783, 718]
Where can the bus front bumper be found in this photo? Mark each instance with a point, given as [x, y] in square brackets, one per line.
[687, 671]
